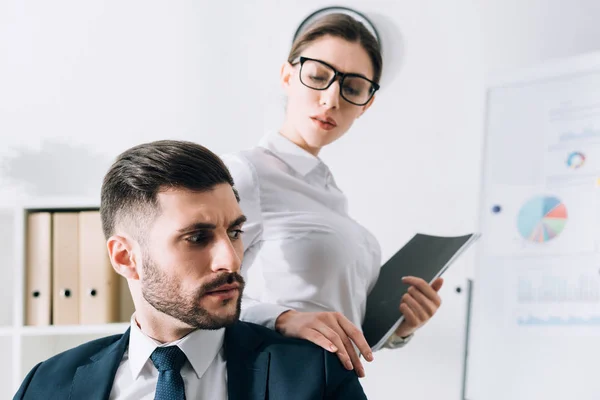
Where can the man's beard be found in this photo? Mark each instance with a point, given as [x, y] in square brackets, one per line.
[165, 295]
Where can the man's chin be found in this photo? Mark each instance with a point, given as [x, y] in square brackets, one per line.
[218, 322]
[221, 317]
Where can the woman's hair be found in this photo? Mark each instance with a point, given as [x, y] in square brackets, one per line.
[345, 27]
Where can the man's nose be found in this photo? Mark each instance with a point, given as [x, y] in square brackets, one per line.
[224, 256]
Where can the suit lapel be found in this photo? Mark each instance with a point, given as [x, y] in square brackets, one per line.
[94, 380]
[247, 368]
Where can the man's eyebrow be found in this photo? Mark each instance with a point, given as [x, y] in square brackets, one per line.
[238, 221]
[198, 226]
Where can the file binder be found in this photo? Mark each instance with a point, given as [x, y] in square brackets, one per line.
[65, 268]
[98, 282]
[38, 267]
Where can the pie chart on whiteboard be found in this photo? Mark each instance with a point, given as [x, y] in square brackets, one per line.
[542, 219]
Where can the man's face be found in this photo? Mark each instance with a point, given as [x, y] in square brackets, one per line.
[192, 257]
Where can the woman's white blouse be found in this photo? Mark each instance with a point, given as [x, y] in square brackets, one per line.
[301, 249]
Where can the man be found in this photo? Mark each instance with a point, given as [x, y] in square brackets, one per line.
[172, 222]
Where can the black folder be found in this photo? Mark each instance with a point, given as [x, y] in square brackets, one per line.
[424, 256]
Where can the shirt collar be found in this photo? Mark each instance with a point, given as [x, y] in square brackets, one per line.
[200, 347]
[293, 155]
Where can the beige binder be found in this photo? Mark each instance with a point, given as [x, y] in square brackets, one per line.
[65, 268]
[38, 264]
[98, 282]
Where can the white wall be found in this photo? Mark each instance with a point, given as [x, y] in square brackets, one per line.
[523, 33]
[82, 81]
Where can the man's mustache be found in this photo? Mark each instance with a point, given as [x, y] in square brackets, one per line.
[223, 279]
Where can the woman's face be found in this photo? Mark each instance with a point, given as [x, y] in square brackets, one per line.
[315, 118]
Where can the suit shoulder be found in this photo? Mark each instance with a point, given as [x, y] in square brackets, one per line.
[271, 337]
[82, 353]
[53, 378]
[260, 330]
[319, 366]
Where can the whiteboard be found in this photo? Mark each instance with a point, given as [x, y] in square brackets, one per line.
[535, 323]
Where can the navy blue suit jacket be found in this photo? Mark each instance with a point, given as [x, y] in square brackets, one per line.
[261, 364]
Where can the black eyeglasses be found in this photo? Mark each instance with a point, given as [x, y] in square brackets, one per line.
[318, 75]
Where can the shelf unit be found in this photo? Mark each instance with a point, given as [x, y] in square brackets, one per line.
[24, 346]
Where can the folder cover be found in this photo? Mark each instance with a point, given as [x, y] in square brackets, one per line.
[425, 257]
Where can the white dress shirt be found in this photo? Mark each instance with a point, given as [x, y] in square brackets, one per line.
[302, 249]
[204, 373]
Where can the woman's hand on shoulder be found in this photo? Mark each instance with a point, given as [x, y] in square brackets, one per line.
[330, 330]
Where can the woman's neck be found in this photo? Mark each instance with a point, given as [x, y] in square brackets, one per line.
[288, 131]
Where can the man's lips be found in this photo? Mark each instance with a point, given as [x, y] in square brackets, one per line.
[224, 288]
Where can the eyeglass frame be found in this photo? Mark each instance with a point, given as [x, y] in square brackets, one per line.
[375, 86]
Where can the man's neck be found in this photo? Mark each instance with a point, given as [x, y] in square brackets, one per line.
[163, 329]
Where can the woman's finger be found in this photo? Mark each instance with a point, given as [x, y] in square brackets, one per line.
[320, 340]
[437, 284]
[428, 305]
[423, 286]
[409, 316]
[336, 339]
[356, 336]
[416, 308]
[358, 367]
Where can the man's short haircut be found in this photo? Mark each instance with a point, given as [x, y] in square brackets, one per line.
[130, 188]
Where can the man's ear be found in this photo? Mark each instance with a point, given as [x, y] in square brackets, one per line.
[123, 257]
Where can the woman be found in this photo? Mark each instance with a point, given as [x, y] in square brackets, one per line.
[308, 266]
